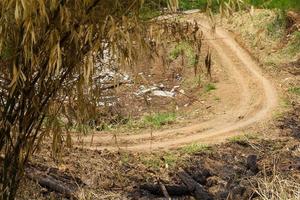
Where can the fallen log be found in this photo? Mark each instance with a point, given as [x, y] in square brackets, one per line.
[55, 181]
[52, 185]
[173, 190]
[194, 187]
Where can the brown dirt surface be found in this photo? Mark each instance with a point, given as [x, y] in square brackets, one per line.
[222, 169]
[249, 97]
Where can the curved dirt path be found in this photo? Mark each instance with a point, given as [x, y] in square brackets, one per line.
[257, 98]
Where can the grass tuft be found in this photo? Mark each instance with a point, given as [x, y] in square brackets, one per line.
[276, 28]
[195, 148]
[152, 162]
[210, 87]
[242, 139]
[159, 119]
[285, 103]
[295, 90]
[293, 47]
[156, 161]
[186, 49]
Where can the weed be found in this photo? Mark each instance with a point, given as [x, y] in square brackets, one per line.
[240, 139]
[186, 49]
[210, 87]
[198, 4]
[193, 82]
[293, 47]
[158, 120]
[251, 136]
[156, 161]
[152, 162]
[132, 124]
[217, 98]
[283, 4]
[155, 121]
[176, 51]
[170, 159]
[243, 139]
[278, 114]
[104, 127]
[285, 103]
[277, 26]
[295, 90]
[195, 148]
[125, 158]
[149, 12]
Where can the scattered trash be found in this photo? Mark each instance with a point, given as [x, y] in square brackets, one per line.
[163, 93]
[155, 91]
[161, 86]
[106, 77]
[108, 101]
[182, 91]
[178, 77]
[143, 90]
[175, 88]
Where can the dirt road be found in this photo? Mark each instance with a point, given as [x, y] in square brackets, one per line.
[253, 95]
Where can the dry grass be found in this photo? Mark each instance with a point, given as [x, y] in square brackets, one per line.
[264, 33]
[277, 187]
